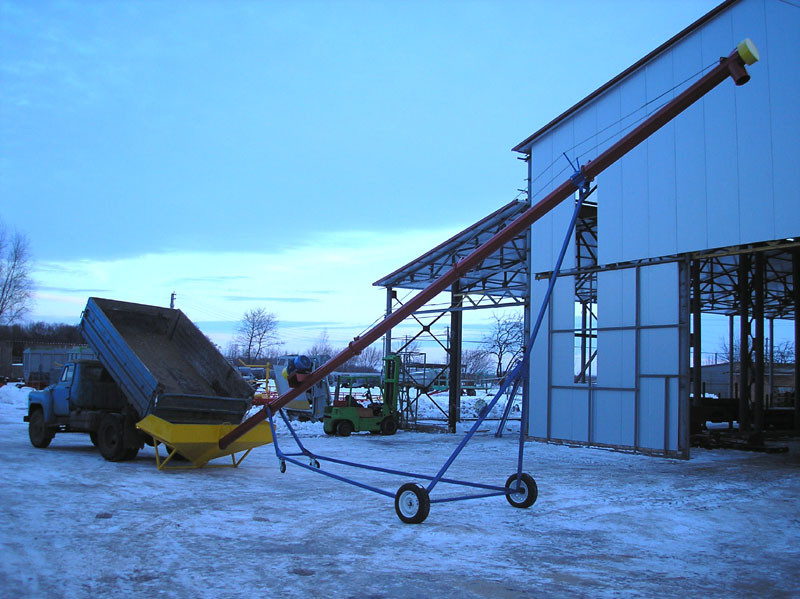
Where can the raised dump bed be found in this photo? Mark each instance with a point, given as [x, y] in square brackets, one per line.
[164, 364]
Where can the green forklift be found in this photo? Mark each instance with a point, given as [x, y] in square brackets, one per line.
[347, 416]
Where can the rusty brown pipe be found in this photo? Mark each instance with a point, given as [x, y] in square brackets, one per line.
[732, 65]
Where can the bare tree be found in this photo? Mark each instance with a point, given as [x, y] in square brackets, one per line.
[16, 287]
[369, 360]
[783, 352]
[232, 352]
[506, 338]
[476, 361]
[322, 347]
[257, 331]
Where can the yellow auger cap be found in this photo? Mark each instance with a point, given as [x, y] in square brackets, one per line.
[747, 51]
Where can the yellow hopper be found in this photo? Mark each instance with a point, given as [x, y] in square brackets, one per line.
[199, 443]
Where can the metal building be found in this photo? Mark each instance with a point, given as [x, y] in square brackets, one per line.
[700, 218]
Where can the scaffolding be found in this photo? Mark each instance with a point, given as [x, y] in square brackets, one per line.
[501, 280]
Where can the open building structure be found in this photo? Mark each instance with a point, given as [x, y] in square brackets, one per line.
[701, 218]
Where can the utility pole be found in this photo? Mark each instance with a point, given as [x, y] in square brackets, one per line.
[172, 300]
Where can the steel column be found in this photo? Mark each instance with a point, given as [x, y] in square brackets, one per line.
[744, 342]
[456, 318]
[796, 298]
[771, 401]
[758, 341]
[697, 362]
[387, 340]
[731, 356]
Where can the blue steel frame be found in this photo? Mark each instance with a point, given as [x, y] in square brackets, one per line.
[513, 380]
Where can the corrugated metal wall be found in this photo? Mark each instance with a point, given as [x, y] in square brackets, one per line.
[721, 174]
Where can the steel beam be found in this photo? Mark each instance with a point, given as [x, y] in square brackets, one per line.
[456, 317]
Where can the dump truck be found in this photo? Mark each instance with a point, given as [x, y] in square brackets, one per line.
[157, 378]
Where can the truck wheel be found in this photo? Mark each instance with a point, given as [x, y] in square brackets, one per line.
[388, 426]
[39, 434]
[344, 428]
[130, 454]
[110, 438]
[93, 438]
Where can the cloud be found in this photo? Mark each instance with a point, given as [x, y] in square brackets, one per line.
[210, 279]
[72, 290]
[243, 298]
[325, 283]
[308, 323]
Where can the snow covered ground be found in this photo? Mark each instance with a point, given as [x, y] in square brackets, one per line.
[724, 524]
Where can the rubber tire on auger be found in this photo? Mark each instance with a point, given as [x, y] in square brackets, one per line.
[111, 438]
[528, 491]
[388, 426]
[412, 503]
[38, 433]
[344, 428]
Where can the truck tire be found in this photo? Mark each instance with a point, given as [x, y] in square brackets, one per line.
[130, 454]
[110, 438]
[39, 434]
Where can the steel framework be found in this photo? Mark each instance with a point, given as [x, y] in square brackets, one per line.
[501, 280]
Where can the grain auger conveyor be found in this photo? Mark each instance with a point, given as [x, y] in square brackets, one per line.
[412, 500]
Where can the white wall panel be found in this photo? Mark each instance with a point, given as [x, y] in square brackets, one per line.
[616, 290]
[609, 182]
[652, 414]
[690, 161]
[635, 209]
[722, 173]
[722, 181]
[658, 300]
[613, 418]
[754, 139]
[781, 50]
[570, 420]
[659, 351]
[562, 367]
[585, 130]
[616, 358]
[539, 380]
[562, 303]
[662, 212]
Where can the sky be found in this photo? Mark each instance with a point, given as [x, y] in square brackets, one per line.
[282, 155]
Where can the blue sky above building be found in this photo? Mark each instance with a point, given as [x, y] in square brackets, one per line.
[280, 154]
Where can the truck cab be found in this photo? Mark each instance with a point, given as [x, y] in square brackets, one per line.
[85, 399]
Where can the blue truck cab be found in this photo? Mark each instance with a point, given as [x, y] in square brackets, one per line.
[84, 399]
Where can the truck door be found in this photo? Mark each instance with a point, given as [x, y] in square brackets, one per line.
[62, 390]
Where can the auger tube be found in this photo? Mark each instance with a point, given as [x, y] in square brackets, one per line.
[731, 66]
